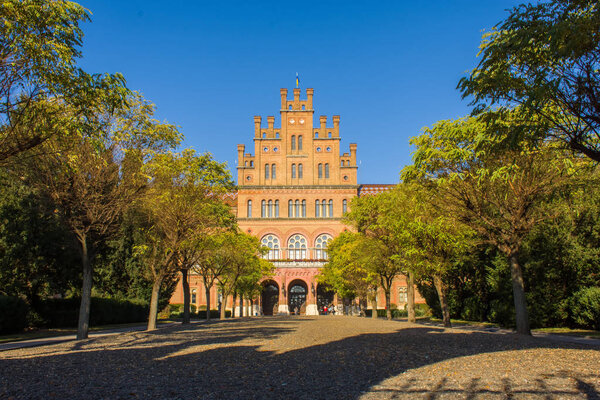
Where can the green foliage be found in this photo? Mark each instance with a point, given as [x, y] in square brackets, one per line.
[421, 310]
[545, 57]
[13, 314]
[63, 313]
[584, 307]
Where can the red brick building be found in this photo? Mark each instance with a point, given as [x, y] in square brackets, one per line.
[292, 193]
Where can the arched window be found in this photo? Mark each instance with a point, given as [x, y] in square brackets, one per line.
[263, 209]
[293, 170]
[245, 163]
[344, 206]
[193, 300]
[272, 242]
[297, 211]
[290, 107]
[270, 208]
[290, 209]
[329, 134]
[273, 172]
[316, 135]
[326, 171]
[293, 142]
[276, 208]
[320, 169]
[264, 135]
[252, 163]
[324, 208]
[267, 171]
[317, 208]
[297, 247]
[300, 171]
[303, 208]
[277, 135]
[321, 245]
[299, 142]
[331, 208]
[249, 209]
[303, 107]
[342, 163]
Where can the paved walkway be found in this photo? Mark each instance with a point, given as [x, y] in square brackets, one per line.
[304, 358]
[66, 338]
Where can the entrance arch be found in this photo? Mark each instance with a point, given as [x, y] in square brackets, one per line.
[297, 292]
[270, 297]
[324, 297]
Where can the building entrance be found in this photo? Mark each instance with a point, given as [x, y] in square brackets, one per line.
[297, 297]
[324, 298]
[270, 298]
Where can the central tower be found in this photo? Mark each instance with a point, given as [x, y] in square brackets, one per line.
[292, 194]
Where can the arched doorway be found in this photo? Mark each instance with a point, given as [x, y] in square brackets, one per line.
[324, 297]
[297, 291]
[270, 297]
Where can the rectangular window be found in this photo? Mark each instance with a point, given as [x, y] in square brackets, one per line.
[249, 209]
[276, 208]
[299, 142]
[326, 171]
[331, 208]
[273, 174]
[320, 170]
[266, 171]
[290, 209]
[300, 171]
[344, 206]
[293, 170]
[317, 209]
[303, 208]
[293, 142]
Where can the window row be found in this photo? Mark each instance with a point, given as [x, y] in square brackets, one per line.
[246, 163]
[296, 208]
[320, 170]
[299, 171]
[297, 248]
[294, 142]
[273, 170]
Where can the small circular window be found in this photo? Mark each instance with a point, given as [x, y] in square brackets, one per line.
[345, 177]
[328, 149]
[275, 149]
[265, 149]
[318, 149]
[248, 178]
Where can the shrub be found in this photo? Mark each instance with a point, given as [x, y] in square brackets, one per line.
[13, 314]
[585, 308]
[63, 313]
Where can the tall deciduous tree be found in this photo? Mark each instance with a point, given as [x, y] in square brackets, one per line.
[498, 194]
[184, 204]
[546, 58]
[87, 178]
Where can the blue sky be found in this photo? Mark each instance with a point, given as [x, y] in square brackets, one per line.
[388, 68]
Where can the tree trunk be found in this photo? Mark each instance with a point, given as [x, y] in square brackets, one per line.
[388, 304]
[410, 294]
[223, 305]
[233, 305]
[207, 292]
[374, 304]
[83, 324]
[439, 286]
[186, 296]
[241, 305]
[154, 304]
[522, 317]
[251, 307]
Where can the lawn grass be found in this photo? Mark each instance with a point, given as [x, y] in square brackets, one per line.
[53, 332]
[570, 332]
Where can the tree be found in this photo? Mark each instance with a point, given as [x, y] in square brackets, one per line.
[183, 206]
[39, 43]
[545, 57]
[498, 194]
[88, 180]
[239, 254]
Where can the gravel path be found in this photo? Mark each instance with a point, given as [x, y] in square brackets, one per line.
[304, 358]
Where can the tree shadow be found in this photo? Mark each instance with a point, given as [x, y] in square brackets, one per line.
[208, 361]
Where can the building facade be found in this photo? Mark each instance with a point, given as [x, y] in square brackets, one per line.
[292, 193]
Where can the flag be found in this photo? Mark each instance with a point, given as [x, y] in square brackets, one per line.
[297, 80]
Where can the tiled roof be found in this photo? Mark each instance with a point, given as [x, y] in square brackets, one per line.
[373, 189]
[231, 198]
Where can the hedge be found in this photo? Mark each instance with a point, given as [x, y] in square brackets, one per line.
[584, 308]
[13, 314]
[64, 313]
[420, 311]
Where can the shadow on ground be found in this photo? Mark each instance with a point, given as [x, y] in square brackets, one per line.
[210, 361]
